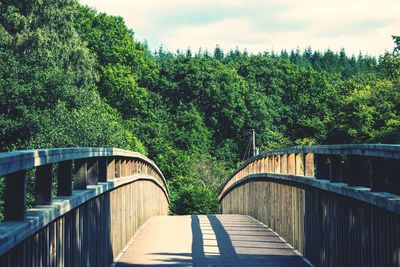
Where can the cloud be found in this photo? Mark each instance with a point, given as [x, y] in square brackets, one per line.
[260, 25]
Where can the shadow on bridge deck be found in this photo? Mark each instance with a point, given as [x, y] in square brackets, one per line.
[213, 240]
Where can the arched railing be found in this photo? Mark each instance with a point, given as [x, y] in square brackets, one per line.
[89, 202]
[339, 205]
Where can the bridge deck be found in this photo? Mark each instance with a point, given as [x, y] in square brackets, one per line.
[213, 240]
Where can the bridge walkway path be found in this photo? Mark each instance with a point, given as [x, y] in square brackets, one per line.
[208, 240]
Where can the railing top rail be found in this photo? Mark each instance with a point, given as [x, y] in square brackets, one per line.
[15, 161]
[371, 150]
[367, 150]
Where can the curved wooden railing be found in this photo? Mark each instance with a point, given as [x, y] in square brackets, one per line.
[103, 196]
[339, 205]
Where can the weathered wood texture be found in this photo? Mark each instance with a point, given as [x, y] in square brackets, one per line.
[338, 219]
[93, 233]
[85, 227]
[355, 165]
[327, 228]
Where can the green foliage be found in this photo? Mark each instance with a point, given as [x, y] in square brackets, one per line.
[43, 62]
[369, 113]
[94, 126]
[191, 199]
[125, 67]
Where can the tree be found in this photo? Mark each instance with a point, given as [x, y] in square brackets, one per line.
[43, 62]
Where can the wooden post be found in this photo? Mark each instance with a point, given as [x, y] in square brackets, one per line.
[80, 174]
[378, 183]
[322, 167]
[43, 184]
[92, 171]
[271, 163]
[262, 165]
[309, 160]
[123, 167]
[64, 178]
[135, 167]
[277, 164]
[110, 168]
[291, 162]
[284, 164]
[130, 169]
[299, 164]
[14, 196]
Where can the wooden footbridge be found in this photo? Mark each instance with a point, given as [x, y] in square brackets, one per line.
[332, 206]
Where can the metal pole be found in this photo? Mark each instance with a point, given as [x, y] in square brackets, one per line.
[254, 143]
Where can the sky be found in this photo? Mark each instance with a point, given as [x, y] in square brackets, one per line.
[260, 25]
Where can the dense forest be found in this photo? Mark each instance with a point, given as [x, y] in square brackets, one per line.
[71, 76]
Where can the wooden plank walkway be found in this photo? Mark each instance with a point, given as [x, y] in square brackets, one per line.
[212, 240]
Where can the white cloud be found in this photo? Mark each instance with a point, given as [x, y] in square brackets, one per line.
[324, 20]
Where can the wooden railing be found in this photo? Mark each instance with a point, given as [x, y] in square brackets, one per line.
[339, 205]
[103, 196]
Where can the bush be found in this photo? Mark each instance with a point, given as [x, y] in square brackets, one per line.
[192, 199]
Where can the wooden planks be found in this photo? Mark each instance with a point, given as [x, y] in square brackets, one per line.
[93, 233]
[327, 228]
[85, 227]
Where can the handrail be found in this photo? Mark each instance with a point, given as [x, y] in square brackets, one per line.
[77, 168]
[326, 201]
[109, 192]
[321, 169]
[25, 159]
